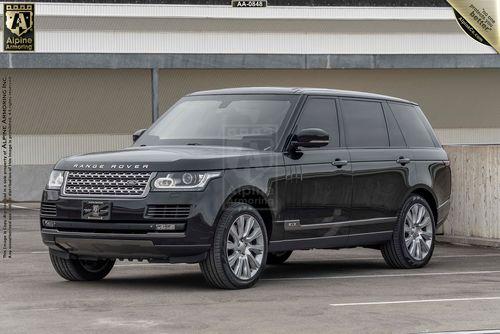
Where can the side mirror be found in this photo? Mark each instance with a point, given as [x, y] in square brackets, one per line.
[312, 137]
[138, 134]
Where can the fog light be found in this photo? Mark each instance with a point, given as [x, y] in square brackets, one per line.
[48, 223]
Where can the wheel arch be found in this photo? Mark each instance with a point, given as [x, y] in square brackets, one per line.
[256, 198]
[426, 193]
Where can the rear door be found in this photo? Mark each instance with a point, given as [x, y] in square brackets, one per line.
[381, 166]
[319, 179]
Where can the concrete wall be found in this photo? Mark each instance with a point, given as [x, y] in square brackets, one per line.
[475, 205]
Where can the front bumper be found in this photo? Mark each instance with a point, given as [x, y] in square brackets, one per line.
[130, 233]
[149, 246]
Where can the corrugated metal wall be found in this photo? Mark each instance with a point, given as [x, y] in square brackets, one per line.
[111, 28]
[110, 35]
[444, 94]
[80, 101]
[64, 112]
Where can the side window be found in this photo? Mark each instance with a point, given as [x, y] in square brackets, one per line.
[395, 136]
[320, 113]
[413, 127]
[364, 124]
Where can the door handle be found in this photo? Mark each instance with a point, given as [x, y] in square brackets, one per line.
[339, 163]
[403, 161]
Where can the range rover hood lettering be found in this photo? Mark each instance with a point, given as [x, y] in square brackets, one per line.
[172, 158]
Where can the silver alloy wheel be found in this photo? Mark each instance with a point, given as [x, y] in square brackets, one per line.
[245, 247]
[418, 231]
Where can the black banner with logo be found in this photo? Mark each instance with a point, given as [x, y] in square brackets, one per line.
[363, 3]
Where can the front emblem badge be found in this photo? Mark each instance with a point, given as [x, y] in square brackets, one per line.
[131, 183]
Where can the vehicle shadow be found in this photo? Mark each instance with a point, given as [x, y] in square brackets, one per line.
[166, 277]
[323, 268]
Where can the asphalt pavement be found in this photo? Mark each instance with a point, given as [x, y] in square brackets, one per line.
[317, 291]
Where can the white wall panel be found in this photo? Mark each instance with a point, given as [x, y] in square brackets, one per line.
[260, 42]
[293, 30]
[225, 12]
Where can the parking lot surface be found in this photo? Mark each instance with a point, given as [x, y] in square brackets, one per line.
[317, 291]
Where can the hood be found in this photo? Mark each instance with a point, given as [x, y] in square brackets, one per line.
[172, 158]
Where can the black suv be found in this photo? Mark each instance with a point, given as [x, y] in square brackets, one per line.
[235, 179]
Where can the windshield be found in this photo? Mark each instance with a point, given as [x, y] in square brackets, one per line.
[253, 121]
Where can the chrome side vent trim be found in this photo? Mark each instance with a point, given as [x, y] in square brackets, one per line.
[168, 211]
[48, 209]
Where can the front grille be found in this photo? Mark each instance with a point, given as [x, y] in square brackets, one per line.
[120, 184]
[48, 209]
[168, 211]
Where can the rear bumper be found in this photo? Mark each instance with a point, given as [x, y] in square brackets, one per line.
[165, 247]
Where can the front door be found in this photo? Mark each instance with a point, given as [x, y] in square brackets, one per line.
[319, 181]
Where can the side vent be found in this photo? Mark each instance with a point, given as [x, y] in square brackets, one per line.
[168, 211]
[48, 209]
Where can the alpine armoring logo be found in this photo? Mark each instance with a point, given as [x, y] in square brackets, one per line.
[19, 29]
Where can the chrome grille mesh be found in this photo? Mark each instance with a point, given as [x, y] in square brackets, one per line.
[122, 184]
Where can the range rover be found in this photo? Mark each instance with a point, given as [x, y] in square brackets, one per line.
[235, 179]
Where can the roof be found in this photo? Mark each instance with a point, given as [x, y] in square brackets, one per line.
[298, 91]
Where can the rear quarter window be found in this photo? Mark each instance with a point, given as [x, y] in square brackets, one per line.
[413, 125]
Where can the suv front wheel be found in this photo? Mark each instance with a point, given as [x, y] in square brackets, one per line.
[412, 242]
[239, 251]
[81, 270]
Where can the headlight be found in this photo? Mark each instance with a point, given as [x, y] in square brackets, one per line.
[56, 179]
[184, 181]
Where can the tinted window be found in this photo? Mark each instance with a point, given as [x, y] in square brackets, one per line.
[320, 113]
[364, 124]
[395, 136]
[412, 125]
[254, 121]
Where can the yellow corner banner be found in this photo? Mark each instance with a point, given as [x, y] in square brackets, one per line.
[480, 19]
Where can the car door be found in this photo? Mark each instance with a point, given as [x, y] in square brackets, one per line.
[381, 166]
[319, 180]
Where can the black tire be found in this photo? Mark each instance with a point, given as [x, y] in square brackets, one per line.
[395, 252]
[278, 257]
[80, 270]
[215, 267]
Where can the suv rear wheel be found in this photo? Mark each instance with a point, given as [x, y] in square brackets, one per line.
[239, 251]
[81, 270]
[412, 242]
